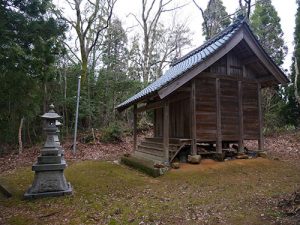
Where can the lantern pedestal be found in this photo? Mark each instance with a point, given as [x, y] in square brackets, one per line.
[48, 182]
[49, 179]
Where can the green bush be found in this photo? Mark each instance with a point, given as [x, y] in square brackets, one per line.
[144, 124]
[112, 133]
[277, 130]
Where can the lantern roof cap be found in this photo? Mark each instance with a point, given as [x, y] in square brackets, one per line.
[51, 114]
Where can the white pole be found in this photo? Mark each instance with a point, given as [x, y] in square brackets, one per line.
[76, 117]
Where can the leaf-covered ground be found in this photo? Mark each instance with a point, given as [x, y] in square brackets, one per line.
[232, 192]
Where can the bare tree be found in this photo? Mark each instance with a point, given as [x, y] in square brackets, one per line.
[149, 22]
[204, 17]
[91, 20]
[171, 41]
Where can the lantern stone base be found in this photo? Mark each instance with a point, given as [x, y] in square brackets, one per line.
[49, 180]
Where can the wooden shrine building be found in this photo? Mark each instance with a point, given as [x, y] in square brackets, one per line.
[212, 95]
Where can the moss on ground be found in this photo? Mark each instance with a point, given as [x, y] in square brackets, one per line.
[237, 192]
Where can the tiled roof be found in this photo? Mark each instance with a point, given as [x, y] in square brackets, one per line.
[186, 62]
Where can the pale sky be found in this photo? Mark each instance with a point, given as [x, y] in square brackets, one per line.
[286, 10]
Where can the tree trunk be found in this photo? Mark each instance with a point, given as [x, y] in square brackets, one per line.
[45, 97]
[66, 118]
[20, 136]
[89, 102]
[84, 67]
[28, 134]
[296, 81]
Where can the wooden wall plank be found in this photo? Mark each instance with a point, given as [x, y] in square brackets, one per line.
[218, 117]
[205, 108]
[250, 110]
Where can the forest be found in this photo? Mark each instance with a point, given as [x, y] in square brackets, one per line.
[93, 55]
[46, 50]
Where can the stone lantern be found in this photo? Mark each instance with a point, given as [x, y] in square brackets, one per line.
[49, 179]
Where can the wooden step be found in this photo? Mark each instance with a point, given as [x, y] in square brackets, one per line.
[154, 139]
[151, 150]
[152, 144]
[172, 147]
[155, 150]
[176, 141]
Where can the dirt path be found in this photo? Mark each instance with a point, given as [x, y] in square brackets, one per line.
[209, 164]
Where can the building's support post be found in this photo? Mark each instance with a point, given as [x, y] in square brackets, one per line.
[227, 64]
[218, 118]
[244, 71]
[166, 131]
[260, 119]
[134, 127]
[241, 117]
[154, 123]
[193, 118]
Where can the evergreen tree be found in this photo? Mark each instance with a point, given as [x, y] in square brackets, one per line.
[265, 23]
[30, 43]
[292, 108]
[297, 33]
[113, 84]
[215, 18]
[135, 60]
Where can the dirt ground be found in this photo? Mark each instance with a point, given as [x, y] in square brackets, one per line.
[232, 192]
[207, 164]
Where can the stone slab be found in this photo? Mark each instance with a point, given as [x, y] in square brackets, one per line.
[194, 159]
[4, 190]
[49, 159]
[29, 195]
[49, 167]
[50, 152]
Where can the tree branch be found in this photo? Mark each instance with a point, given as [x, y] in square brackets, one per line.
[71, 50]
[204, 18]
[131, 14]
[110, 8]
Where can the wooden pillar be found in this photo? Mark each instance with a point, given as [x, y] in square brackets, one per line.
[244, 71]
[260, 119]
[134, 126]
[166, 131]
[218, 118]
[193, 118]
[227, 64]
[241, 117]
